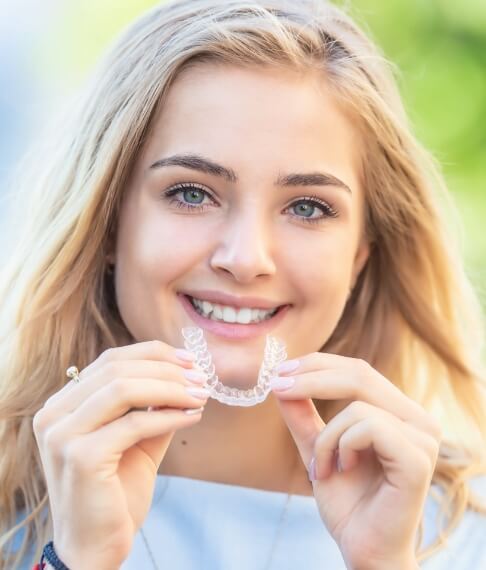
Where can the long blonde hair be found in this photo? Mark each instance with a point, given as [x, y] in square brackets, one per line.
[413, 314]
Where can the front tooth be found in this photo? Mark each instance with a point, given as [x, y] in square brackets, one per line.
[229, 315]
[217, 312]
[254, 314]
[244, 316]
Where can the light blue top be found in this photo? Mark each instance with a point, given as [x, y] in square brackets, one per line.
[201, 525]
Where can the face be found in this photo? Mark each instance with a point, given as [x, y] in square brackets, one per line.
[246, 196]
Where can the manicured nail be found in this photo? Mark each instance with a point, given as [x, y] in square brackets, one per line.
[196, 376]
[193, 411]
[200, 393]
[312, 469]
[287, 366]
[277, 383]
[185, 355]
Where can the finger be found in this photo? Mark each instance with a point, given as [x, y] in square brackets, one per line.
[151, 430]
[71, 399]
[331, 438]
[356, 380]
[120, 396]
[403, 463]
[304, 423]
[147, 350]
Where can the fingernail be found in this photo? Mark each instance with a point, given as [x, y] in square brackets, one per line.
[193, 411]
[312, 469]
[185, 355]
[287, 366]
[339, 465]
[277, 383]
[200, 393]
[196, 376]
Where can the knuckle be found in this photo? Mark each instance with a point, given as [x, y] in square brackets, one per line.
[357, 408]
[135, 421]
[40, 421]
[435, 429]
[158, 347]
[74, 455]
[107, 355]
[111, 368]
[364, 367]
[355, 387]
[433, 446]
[375, 425]
[420, 474]
[121, 389]
[53, 441]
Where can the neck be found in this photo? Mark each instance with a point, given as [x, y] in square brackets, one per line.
[249, 447]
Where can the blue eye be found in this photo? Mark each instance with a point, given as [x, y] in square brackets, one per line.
[193, 200]
[307, 206]
[193, 195]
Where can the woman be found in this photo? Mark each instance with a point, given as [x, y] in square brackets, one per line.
[244, 161]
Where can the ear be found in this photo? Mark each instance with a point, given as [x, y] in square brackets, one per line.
[360, 259]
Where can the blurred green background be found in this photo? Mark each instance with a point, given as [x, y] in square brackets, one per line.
[438, 46]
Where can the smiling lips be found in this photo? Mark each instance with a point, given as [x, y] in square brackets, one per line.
[232, 322]
[227, 314]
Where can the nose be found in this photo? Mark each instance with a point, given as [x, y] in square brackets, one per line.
[245, 248]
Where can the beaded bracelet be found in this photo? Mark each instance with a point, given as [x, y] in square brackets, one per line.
[50, 555]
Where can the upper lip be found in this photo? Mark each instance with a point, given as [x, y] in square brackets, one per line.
[225, 299]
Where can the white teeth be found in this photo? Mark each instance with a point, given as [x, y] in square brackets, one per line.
[243, 316]
[229, 315]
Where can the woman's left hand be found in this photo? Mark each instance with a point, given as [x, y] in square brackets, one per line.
[387, 445]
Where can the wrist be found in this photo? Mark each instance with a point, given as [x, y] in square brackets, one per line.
[66, 558]
[401, 564]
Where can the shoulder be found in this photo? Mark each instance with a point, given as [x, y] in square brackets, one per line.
[465, 545]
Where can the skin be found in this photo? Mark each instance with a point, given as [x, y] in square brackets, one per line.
[245, 243]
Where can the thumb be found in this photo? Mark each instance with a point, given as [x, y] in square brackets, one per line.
[304, 423]
[156, 447]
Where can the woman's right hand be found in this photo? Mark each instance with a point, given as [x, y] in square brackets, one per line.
[101, 456]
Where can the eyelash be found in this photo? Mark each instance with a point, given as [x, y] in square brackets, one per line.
[327, 210]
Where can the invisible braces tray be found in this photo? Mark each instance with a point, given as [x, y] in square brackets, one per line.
[274, 354]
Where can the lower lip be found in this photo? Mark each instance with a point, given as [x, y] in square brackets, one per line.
[232, 330]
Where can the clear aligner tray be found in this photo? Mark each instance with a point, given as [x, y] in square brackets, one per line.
[274, 354]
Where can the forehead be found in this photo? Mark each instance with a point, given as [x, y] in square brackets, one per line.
[280, 118]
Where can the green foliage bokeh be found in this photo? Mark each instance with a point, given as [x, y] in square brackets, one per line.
[438, 47]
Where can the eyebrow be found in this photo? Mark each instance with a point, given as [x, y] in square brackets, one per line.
[207, 166]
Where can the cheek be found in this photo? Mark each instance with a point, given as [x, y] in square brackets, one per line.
[322, 263]
[159, 248]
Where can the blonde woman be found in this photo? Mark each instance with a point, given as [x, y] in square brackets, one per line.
[245, 167]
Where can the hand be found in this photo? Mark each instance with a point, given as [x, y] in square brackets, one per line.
[387, 445]
[101, 455]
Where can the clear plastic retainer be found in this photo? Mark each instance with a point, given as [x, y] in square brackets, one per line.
[274, 354]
